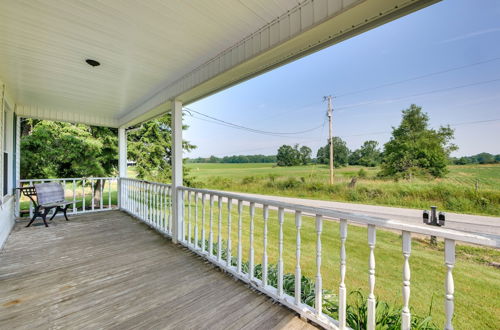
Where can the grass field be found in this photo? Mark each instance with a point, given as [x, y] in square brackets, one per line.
[456, 192]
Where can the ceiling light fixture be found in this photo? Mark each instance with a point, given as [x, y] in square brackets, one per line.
[92, 62]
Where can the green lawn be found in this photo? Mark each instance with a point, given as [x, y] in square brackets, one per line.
[456, 192]
[476, 284]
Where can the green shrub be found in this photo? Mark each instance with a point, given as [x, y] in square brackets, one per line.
[249, 180]
[362, 173]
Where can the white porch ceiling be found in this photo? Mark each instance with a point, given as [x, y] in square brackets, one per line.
[151, 51]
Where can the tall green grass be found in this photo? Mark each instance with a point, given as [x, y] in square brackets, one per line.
[467, 189]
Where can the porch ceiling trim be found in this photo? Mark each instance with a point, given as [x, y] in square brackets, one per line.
[29, 111]
[308, 27]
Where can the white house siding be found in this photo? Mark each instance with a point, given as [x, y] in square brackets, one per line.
[7, 219]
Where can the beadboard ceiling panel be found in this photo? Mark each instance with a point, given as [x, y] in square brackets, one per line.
[150, 51]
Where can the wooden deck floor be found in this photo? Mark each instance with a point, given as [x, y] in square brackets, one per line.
[108, 270]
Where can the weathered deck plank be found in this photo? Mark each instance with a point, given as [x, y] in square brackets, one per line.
[108, 270]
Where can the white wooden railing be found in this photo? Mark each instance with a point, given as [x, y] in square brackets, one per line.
[81, 191]
[201, 226]
[195, 201]
[148, 201]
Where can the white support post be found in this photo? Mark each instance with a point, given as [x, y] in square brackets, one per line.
[18, 164]
[122, 161]
[177, 171]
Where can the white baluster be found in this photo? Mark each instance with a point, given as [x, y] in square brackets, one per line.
[281, 219]
[196, 220]
[229, 241]
[264, 246]
[371, 277]
[141, 200]
[109, 194]
[74, 196]
[92, 195]
[219, 231]
[211, 227]
[342, 287]
[240, 252]
[251, 252]
[155, 202]
[449, 259]
[162, 208]
[169, 209]
[405, 314]
[203, 222]
[319, 285]
[101, 204]
[189, 217]
[83, 195]
[298, 272]
[136, 198]
[31, 203]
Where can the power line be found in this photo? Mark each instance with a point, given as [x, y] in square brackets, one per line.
[237, 126]
[351, 135]
[452, 125]
[418, 94]
[418, 77]
[222, 124]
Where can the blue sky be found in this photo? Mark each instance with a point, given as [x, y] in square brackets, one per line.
[447, 35]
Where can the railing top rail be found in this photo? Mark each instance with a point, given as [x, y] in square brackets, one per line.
[146, 181]
[68, 179]
[361, 219]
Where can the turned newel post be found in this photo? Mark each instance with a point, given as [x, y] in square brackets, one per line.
[342, 287]
[371, 278]
[449, 260]
[405, 314]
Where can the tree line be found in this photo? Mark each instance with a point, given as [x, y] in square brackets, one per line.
[482, 158]
[413, 149]
[234, 159]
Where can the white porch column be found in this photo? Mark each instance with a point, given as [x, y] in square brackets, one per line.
[177, 201]
[122, 152]
[17, 147]
[122, 160]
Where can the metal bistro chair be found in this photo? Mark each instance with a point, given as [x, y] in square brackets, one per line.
[45, 197]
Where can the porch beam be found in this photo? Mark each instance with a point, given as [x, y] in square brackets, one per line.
[177, 200]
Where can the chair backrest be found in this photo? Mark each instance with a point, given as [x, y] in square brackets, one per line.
[52, 192]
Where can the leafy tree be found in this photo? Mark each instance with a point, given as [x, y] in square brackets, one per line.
[367, 155]
[63, 150]
[288, 156]
[150, 146]
[340, 153]
[485, 158]
[305, 155]
[415, 148]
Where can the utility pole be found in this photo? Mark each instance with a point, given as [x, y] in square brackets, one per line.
[330, 137]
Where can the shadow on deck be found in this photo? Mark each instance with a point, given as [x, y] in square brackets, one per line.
[108, 270]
